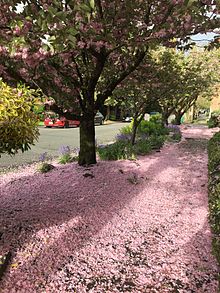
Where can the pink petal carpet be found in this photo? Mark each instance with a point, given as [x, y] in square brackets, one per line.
[124, 226]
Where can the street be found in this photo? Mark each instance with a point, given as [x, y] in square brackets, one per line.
[50, 141]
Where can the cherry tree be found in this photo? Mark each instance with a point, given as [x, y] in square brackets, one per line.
[79, 51]
[183, 78]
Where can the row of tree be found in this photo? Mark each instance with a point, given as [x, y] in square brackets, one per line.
[170, 81]
[80, 51]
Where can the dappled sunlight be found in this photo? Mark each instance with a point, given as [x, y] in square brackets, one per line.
[135, 225]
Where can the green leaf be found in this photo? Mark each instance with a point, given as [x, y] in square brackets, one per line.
[92, 4]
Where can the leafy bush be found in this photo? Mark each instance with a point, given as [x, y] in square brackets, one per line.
[214, 120]
[116, 151]
[156, 142]
[142, 147]
[156, 118]
[147, 128]
[214, 191]
[18, 123]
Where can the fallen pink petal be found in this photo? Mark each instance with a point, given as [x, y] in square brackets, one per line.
[71, 233]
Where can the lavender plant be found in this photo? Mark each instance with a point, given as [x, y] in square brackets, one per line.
[65, 155]
[44, 166]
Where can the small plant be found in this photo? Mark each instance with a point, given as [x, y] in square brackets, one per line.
[174, 133]
[142, 147]
[157, 142]
[44, 166]
[65, 156]
[116, 151]
[123, 137]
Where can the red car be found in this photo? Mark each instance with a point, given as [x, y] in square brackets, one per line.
[62, 122]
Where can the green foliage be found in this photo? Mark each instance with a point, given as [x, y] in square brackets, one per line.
[176, 136]
[156, 142]
[45, 167]
[147, 128]
[18, 123]
[120, 150]
[152, 127]
[214, 191]
[127, 130]
[66, 158]
[142, 147]
[214, 120]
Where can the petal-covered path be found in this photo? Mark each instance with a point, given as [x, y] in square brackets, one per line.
[126, 226]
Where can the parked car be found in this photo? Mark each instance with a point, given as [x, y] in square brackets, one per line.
[127, 119]
[54, 120]
[99, 118]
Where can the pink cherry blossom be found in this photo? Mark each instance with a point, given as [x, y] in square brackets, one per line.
[72, 233]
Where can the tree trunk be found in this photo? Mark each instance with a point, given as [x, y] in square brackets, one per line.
[165, 117]
[87, 154]
[178, 118]
[134, 131]
[108, 113]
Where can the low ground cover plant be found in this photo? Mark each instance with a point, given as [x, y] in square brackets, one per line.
[214, 191]
[151, 135]
[174, 133]
[44, 166]
[65, 155]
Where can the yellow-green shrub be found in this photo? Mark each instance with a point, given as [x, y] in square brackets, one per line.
[18, 123]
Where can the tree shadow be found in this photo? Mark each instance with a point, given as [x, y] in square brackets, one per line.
[47, 220]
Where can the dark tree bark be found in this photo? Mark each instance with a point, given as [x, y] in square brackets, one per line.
[165, 117]
[178, 118]
[87, 154]
[134, 130]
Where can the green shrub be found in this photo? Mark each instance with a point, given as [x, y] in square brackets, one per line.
[151, 128]
[127, 130]
[18, 123]
[147, 128]
[156, 142]
[116, 151]
[214, 191]
[156, 118]
[142, 147]
[214, 120]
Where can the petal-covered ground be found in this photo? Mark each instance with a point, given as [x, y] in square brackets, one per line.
[125, 226]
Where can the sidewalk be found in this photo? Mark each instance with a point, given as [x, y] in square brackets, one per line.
[133, 226]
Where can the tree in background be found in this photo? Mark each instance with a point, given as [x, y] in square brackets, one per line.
[200, 75]
[74, 49]
[182, 78]
[18, 123]
[136, 92]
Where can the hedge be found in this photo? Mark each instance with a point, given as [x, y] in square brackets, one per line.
[214, 191]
